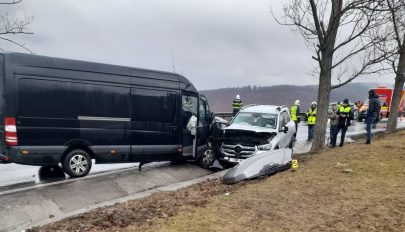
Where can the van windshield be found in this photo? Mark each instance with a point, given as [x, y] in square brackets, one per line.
[256, 119]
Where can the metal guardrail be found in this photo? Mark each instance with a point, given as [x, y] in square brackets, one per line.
[225, 115]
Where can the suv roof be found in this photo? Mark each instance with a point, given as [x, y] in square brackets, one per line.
[262, 109]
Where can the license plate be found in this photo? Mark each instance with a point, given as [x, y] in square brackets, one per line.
[235, 160]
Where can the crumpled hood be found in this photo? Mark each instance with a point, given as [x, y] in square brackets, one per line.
[250, 128]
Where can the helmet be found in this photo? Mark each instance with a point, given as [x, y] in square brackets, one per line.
[297, 102]
[346, 101]
[313, 103]
[237, 97]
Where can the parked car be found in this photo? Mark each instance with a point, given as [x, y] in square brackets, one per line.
[66, 111]
[256, 129]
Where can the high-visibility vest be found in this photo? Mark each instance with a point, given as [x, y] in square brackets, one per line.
[345, 110]
[311, 114]
[293, 112]
[237, 104]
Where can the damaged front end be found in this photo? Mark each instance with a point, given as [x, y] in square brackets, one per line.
[240, 143]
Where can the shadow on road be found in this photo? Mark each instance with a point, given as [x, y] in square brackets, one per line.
[50, 174]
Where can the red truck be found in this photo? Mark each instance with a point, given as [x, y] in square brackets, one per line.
[385, 94]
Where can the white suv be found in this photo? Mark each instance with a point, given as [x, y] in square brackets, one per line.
[257, 129]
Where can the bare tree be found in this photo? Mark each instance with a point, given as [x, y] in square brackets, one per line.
[394, 29]
[335, 31]
[10, 26]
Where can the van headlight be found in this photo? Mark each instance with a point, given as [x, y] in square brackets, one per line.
[265, 147]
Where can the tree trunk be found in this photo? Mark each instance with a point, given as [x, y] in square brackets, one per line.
[325, 82]
[399, 86]
[324, 89]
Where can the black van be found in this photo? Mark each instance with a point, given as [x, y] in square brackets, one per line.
[65, 111]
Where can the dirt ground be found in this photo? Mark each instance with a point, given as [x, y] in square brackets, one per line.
[355, 188]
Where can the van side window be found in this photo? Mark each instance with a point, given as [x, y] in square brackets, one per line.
[59, 99]
[189, 106]
[202, 113]
[150, 105]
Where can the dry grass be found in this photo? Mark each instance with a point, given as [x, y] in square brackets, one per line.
[317, 197]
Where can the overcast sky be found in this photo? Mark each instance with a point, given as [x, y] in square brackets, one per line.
[214, 43]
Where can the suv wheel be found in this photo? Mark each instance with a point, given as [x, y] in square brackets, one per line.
[77, 163]
[207, 158]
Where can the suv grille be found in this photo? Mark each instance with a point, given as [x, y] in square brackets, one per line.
[238, 150]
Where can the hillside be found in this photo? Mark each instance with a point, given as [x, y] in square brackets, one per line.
[220, 99]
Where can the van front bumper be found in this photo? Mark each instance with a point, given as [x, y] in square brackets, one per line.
[36, 155]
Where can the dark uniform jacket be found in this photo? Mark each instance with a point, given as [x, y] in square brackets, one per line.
[373, 106]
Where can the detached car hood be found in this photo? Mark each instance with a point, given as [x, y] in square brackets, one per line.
[250, 128]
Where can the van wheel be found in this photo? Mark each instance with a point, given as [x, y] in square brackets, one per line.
[77, 163]
[207, 158]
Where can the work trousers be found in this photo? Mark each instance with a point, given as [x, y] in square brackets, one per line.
[370, 121]
[343, 134]
[332, 134]
[310, 132]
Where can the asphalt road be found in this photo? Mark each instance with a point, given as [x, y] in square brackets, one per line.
[15, 175]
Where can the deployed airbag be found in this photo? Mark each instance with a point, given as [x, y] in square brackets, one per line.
[259, 165]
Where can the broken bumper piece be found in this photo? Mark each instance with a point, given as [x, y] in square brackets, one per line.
[259, 165]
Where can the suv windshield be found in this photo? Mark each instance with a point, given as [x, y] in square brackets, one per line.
[256, 119]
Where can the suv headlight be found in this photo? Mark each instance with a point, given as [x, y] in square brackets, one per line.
[265, 147]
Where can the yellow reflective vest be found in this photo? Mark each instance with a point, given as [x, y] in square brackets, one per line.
[237, 104]
[293, 112]
[311, 116]
[345, 110]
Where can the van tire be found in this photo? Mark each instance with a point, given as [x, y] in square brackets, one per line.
[78, 157]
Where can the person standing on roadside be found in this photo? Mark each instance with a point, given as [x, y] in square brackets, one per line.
[236, 105]
[344, 114]
[295, 115]
[373, 112]
[333, 122]
[311, 120]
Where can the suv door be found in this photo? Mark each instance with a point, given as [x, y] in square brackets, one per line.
[291, 128]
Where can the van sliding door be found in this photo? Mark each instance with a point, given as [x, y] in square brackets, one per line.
[155, 133]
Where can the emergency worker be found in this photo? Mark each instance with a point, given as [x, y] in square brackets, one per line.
[295, 114]
[311, 120]
[236, 105]
[344, 114]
